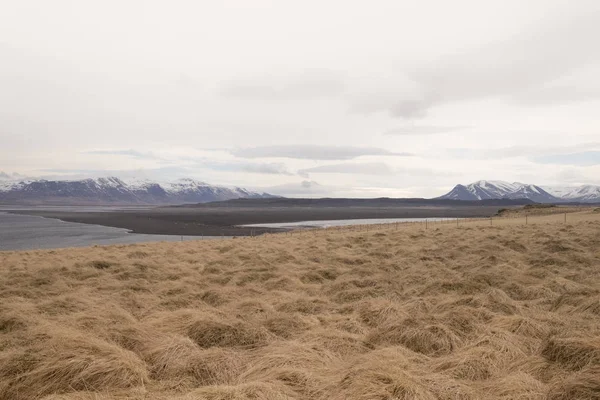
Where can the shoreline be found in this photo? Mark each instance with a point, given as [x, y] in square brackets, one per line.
[214, 221]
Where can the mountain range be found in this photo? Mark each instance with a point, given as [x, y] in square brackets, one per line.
[113, 190]
[484, 190]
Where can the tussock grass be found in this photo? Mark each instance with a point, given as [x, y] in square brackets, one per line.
[508, 311]
[98, 264]
[423, 337]
[178, 359]
[574, 353]
[210, 333]
[584, 385]
[69, 361]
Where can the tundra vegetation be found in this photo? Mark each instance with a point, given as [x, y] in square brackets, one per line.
[474, 311]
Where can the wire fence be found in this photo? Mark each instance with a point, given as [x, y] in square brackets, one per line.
[517, 219]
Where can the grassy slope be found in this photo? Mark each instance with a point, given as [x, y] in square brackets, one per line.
[502, 312]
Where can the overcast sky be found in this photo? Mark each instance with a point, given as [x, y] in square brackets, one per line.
[303, 98]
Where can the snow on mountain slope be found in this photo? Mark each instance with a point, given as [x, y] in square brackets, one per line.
[484, 190]
[116, 191]
[584, 193]
[6, 185]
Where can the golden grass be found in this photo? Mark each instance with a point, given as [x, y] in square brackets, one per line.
[507, 311]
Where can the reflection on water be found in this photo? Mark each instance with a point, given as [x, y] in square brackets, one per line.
[25, 232]
[343, 222]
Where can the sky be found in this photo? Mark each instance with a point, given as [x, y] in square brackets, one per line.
[303, 98]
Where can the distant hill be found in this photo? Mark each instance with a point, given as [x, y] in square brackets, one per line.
[348, 202]
[487, 190]
[582, 194]
[111, 190]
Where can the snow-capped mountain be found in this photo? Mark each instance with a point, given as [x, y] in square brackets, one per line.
[113, 190]
[482, 190]
[583, 194]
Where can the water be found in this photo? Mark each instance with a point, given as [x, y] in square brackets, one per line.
[25, 232]
[343, 222]
[90, 208]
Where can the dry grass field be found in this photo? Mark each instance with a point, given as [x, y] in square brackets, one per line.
[508, 311]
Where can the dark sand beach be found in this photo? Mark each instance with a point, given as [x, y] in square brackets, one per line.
[227, 218]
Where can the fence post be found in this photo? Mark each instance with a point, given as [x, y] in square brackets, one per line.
[525, 219]
[491, 221]
[565, 218]
[425, 223]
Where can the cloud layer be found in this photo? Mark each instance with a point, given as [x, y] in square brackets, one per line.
[584, 158]
[424, 130]
[520, 68]
[384, 98]
[380, 169]
[314, 152]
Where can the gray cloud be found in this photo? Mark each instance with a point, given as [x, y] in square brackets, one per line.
[256, 168]
[161, 173]
[520, 151]
[412, 108]
[349, 168]
[576, 176]
[584, 158]
[309, 84]
[305, 188]
[314, 152]
[128, 153]
[518, 68]
[551, 95]
[184, 167]
[268, 168]
[199, 163]
[178, 170]
[216, 165]
[424, 130]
